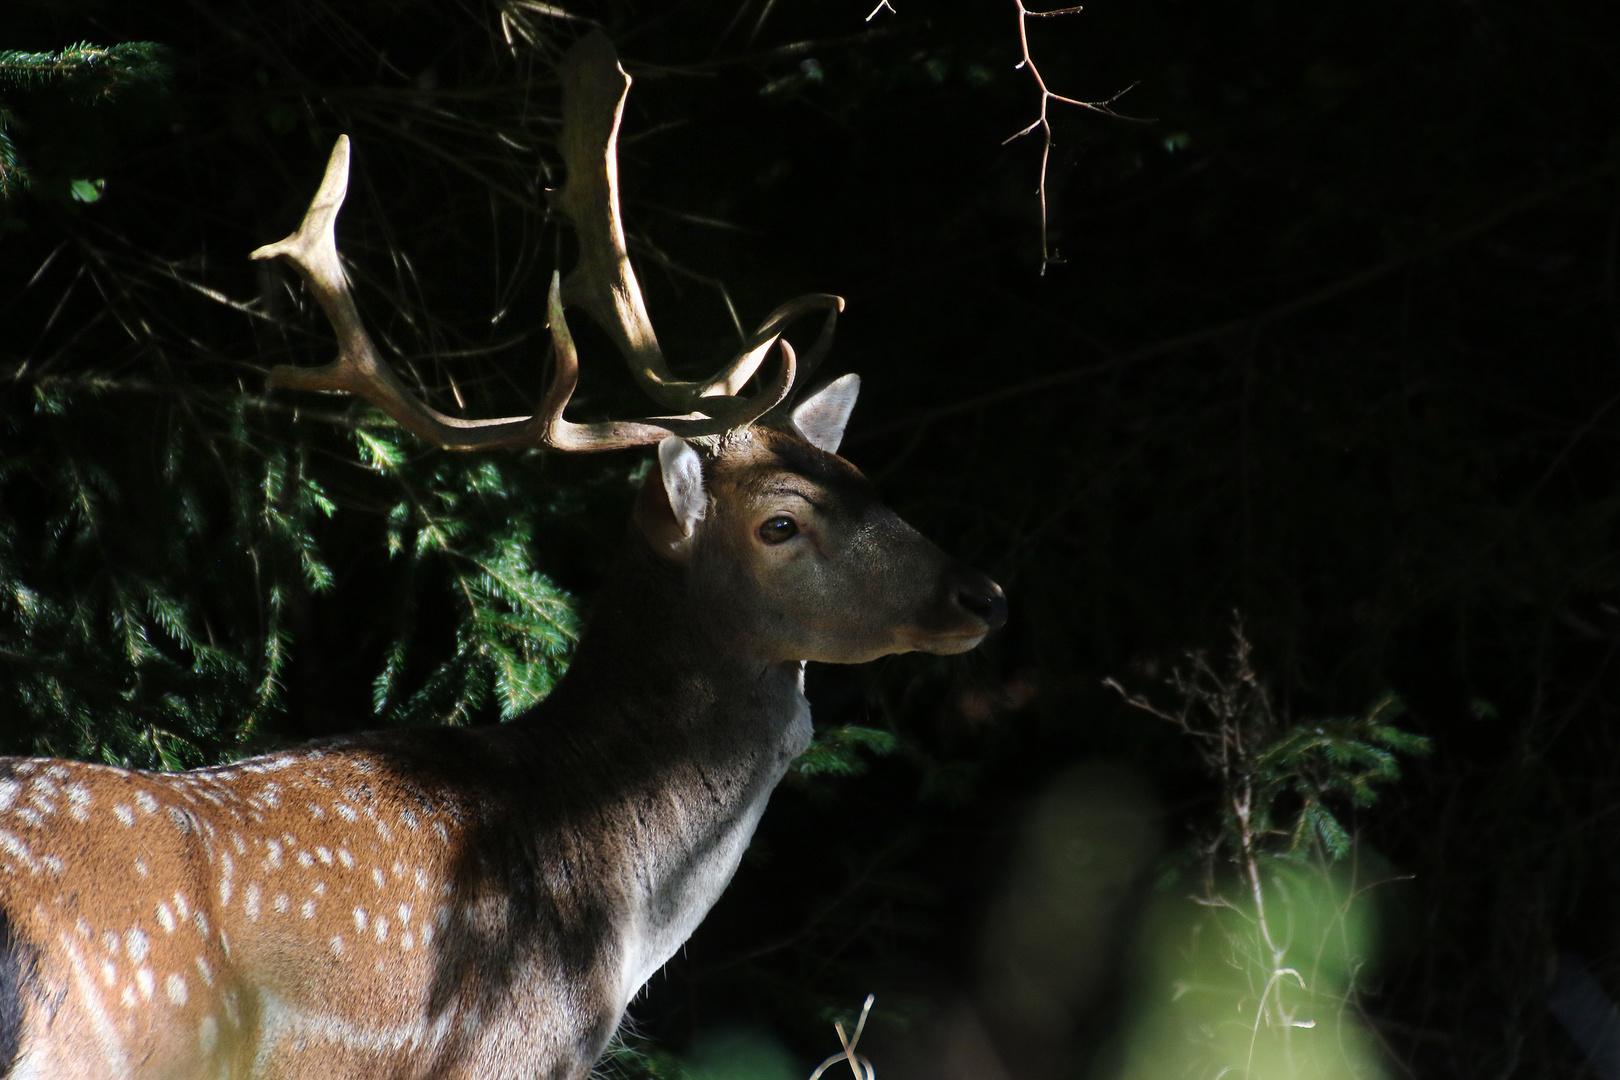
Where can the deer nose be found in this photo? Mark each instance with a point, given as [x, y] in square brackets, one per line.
[984, 599]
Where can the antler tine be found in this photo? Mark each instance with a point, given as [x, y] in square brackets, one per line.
[742, 367]
[358, 369]
[610, 434]
[604, 283]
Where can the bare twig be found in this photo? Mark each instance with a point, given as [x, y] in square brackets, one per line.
[1049, 257]
[857, 1062]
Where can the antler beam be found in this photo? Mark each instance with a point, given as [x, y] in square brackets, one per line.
[594, 88]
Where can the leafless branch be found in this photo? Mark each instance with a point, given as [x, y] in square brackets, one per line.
[857, 1062]
[1050, 257]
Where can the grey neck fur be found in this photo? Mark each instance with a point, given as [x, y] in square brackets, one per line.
[679, 738]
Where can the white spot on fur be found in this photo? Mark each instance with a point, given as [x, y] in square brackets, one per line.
[53, 864]
[124, 814]
[109, 972]
[142, 869]
[337, 946]
[319, 888]
[182, 905]
[427, 934]
[346, 858]
[421, 880]
[128, 997]
[208, 1035]
[136, 944]
[281, 905]
[143, 979]
[378, 877]
[30, 817]
[144, 800]
[360, 919]
[305, 859]
[381, 928]
[308, 909]
[251, 904]
[317, 811]
[165, 917]
[324, 853]
[406, 941]
[206, 971]
[175, 987]
[346, 812]
[272, 861]
[441, 832]
[8, 793]
[79, 801]
[408, 816]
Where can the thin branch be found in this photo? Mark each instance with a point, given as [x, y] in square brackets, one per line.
[1049, 257]
[858, 1064]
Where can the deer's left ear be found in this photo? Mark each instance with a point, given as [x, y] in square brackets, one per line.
[821, 417]
[683, 482]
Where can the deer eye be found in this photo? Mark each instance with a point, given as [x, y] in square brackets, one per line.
[779, 528]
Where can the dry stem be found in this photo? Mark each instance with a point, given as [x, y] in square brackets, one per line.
[1049, 257]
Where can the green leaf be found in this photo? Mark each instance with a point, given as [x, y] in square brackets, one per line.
[86, 191]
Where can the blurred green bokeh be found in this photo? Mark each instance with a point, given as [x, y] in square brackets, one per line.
[1214, 1001]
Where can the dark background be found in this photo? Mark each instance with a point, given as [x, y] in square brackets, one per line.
[1333, 343]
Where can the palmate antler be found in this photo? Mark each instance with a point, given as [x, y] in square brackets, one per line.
[603, 283]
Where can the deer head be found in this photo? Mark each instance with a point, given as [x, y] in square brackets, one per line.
[786, 537]
[792, 546]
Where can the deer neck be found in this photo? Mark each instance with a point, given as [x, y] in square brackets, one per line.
[675, 663]
[684, 737]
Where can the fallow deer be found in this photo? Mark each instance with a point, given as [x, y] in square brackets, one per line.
[484, 902]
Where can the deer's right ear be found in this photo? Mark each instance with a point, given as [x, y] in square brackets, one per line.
[821, 417]
[683, 482]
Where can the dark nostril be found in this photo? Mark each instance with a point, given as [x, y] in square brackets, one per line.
[988, 604]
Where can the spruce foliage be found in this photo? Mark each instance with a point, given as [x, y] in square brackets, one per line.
[86, 75]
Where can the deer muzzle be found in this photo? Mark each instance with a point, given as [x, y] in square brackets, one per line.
[970, 605]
